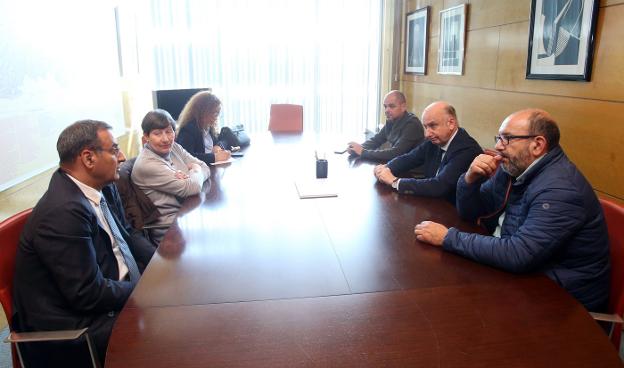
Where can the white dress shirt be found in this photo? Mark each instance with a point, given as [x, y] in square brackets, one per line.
[94, 196]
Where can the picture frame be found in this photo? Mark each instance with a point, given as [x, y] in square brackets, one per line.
[561, 39]
[452, 38]
[416, 41]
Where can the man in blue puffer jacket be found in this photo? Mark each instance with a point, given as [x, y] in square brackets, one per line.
[542, 213]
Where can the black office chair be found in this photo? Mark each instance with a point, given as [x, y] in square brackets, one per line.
[140, 211]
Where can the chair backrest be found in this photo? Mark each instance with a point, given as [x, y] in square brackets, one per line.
[286, 118]
[139, 209]
[614, 215]
[10, 230]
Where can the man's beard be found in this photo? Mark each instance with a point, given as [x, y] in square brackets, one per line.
[516, 166]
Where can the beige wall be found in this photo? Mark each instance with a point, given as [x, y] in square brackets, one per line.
[590, 114]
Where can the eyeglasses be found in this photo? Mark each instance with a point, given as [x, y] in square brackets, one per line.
[113, 150]
[506, 138]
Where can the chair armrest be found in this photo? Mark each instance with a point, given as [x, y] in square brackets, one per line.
[19, 337]
[613, 318]
[38, 336]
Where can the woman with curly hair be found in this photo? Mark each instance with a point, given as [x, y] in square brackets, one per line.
[197, 128]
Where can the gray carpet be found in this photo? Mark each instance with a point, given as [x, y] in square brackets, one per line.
[5, 350]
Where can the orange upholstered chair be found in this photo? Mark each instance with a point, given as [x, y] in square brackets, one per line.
[614, 215]
[10, 231]
[286, 118]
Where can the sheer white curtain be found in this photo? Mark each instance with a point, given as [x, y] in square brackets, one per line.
[322, 54]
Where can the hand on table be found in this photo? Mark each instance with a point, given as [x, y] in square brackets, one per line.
[384, 175]
[222, 155]
[378, 169]
[355, 148]
[431, 232]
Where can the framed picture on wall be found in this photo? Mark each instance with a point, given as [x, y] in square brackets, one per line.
[416, 34]
[452, 39]
[561, 39]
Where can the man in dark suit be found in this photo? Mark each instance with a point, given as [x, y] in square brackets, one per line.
[446, 154]
[76, 264]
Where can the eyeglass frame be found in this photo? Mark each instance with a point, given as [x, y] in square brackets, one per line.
[114, 150]
[504, 139]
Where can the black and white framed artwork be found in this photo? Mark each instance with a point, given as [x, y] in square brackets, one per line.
[561, 39]
[452, 39]
[416, 41]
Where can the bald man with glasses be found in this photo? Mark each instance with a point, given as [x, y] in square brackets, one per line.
[541, 213]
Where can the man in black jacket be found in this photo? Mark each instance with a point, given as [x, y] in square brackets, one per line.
[401, 133]
[446, 154]
[76, 264]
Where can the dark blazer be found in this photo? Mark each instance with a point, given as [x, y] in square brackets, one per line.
[191, 138]
[462, 150]
[66, 274]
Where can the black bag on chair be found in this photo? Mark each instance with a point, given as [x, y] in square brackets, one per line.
[232, 137]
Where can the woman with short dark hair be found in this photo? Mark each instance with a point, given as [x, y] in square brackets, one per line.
[164, 170]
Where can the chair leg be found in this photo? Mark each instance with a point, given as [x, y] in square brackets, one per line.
[611, 329]
[94, 358]
[19, 355]
[621, 352]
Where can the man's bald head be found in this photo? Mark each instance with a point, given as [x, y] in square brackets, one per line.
[441, 107]
[539, 122]
[398, 95]
[440, 122]
[395, 105]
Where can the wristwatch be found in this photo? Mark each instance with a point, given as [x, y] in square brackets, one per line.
[395, 183]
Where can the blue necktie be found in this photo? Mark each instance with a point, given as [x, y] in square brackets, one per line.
[133, 269]
[439, 158]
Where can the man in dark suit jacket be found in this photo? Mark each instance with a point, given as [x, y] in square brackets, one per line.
[446, 154]
[75, 268]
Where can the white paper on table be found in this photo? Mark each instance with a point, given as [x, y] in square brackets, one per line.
[316, 188]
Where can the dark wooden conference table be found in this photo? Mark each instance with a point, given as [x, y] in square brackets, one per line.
[253, 276]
